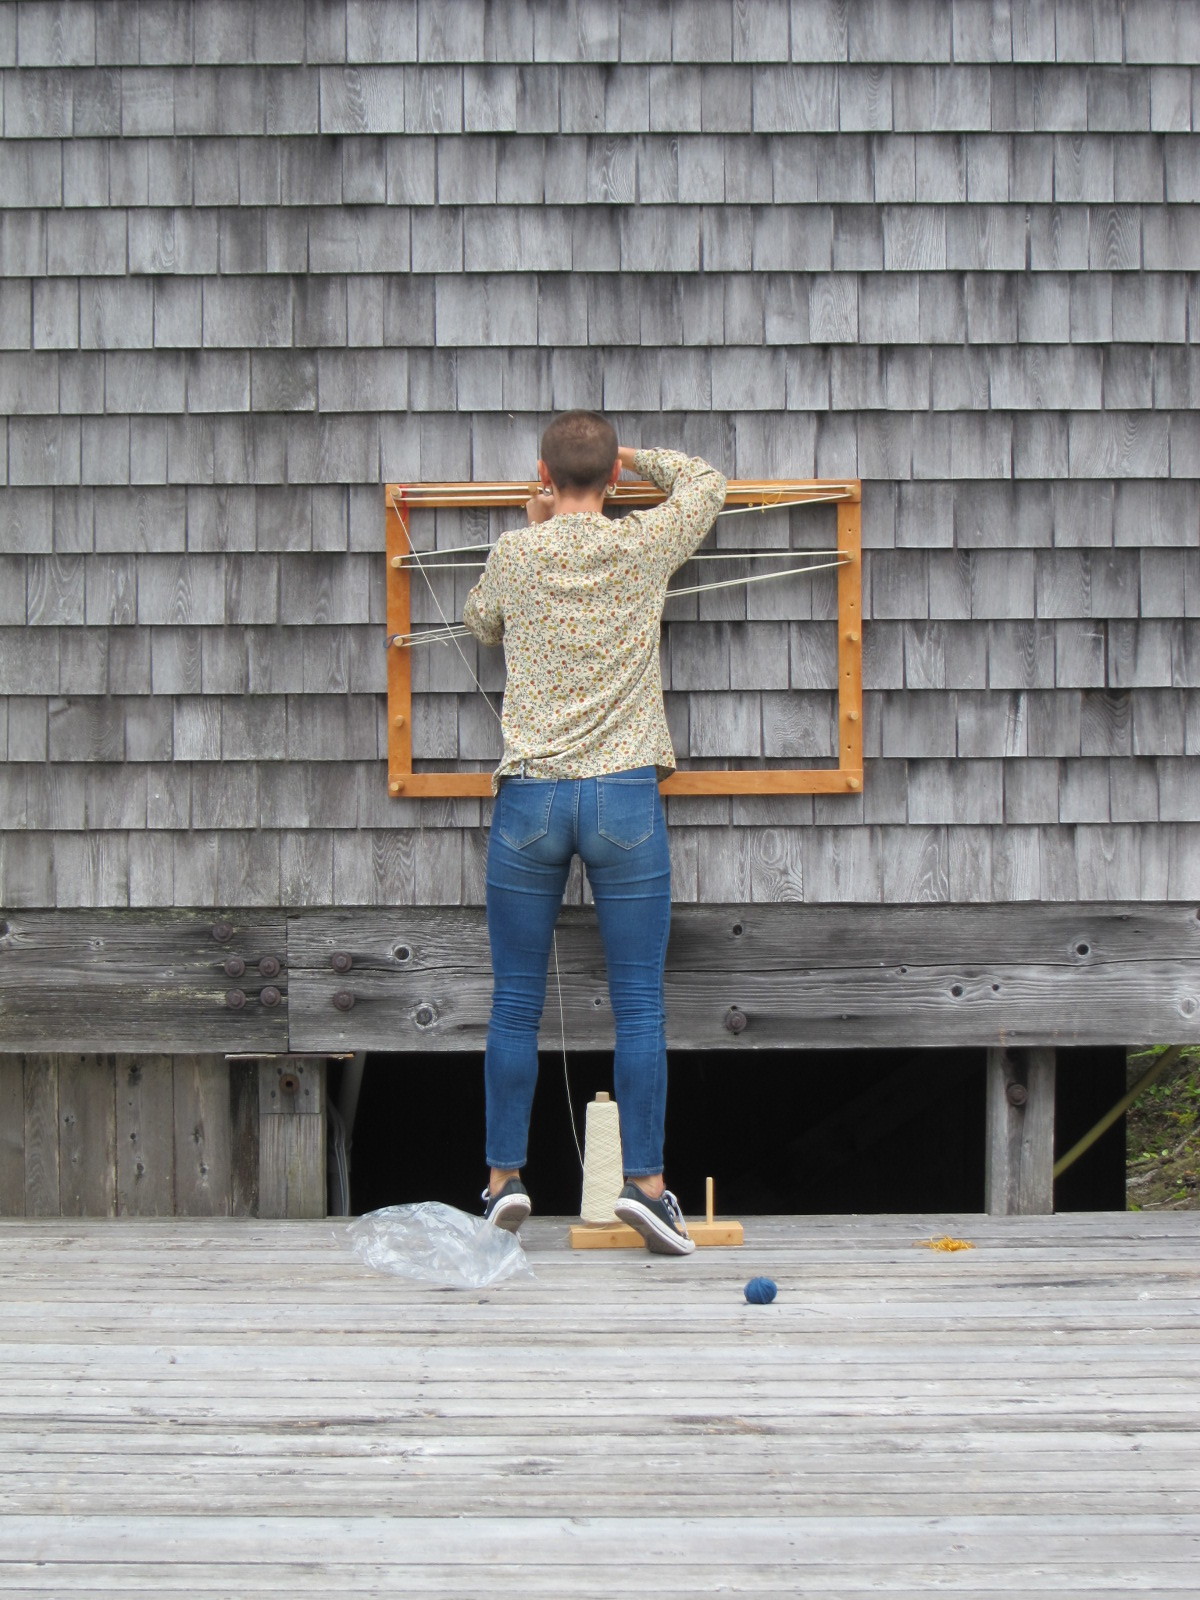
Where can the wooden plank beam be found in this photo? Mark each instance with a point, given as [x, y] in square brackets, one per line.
[774, 977]
[760, 938]
[849, 647]
[144, 981]
[742, 780]
[619, 1236]
[782, 1010]
[629, 492]
[752, 977]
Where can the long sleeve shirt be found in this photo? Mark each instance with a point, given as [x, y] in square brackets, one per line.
[577, 602]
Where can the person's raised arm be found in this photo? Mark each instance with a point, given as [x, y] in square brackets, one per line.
[695, 494]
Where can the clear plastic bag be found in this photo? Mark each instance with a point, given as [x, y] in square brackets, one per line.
[435, 1243]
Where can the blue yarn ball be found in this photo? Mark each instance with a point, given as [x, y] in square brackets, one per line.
[760, 1291]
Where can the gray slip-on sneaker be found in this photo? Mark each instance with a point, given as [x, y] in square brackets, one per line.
[660, 1222]
[508, 1207]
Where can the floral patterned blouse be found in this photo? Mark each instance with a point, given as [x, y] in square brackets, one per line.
[577, 601]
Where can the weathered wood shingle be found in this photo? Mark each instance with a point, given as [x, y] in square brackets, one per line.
[257, 258]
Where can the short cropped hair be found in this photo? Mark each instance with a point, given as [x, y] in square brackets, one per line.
[579, 449]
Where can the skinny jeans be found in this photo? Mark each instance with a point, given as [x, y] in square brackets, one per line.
[615, 823]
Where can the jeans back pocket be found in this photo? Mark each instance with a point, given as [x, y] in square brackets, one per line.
[627, 808]
[523, 810]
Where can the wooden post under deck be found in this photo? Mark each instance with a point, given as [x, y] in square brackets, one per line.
[1020, 1132]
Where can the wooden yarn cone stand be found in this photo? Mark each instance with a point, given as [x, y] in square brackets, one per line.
[620, 1236]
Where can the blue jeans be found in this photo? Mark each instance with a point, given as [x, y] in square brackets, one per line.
[616, 825]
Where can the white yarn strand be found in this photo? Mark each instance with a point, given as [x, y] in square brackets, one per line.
[451, 632]
[758, 577]
[703, 555]
[562, 1034]
[783, 505]
[429, 636]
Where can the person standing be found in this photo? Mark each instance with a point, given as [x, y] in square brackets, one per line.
[576, 599]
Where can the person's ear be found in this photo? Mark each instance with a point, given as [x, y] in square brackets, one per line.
[544, 475]
[616, 471]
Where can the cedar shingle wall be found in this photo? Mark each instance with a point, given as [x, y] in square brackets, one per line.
[258, 257]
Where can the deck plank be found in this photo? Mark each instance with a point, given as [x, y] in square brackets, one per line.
[212, 1406]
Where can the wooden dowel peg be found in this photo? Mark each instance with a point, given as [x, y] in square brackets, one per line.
[708, 1201]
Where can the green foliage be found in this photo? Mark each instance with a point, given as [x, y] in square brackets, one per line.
[1163, 1135]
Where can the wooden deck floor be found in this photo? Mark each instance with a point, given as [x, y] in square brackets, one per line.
[239, 1408]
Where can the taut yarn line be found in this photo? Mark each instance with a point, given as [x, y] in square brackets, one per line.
[603, 1172]
[451, 632]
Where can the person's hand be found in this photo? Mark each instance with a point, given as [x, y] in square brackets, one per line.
[541, 506]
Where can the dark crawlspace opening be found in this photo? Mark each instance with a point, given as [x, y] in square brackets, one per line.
[781, 1131]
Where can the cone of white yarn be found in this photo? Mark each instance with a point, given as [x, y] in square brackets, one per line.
[603, 1173]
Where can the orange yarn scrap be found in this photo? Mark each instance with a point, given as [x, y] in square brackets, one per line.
[945, 1243]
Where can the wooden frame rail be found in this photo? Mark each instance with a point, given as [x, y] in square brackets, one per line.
[846, 493]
